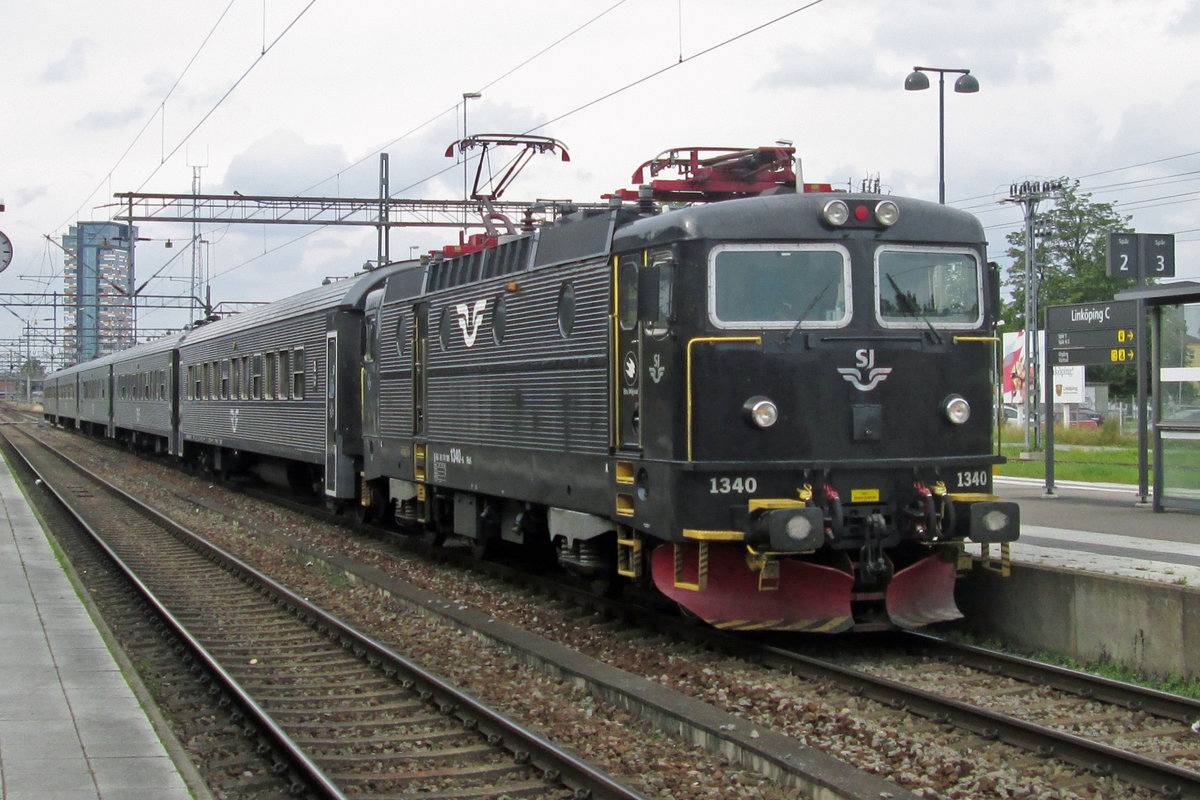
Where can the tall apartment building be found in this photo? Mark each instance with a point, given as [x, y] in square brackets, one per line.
[98, 284]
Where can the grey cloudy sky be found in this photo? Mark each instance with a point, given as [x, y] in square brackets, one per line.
[129, 95]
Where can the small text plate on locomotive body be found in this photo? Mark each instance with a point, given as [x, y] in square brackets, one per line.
[864, 495]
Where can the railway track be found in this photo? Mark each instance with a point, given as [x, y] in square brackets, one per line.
[1136, 748]
[1109, 728]
[1036, 714]
[350, 717]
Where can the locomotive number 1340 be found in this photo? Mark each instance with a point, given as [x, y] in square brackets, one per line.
[732, 485]
[972, 479]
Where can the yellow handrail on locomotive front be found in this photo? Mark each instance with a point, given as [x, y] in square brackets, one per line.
[958, 339]
[702, 340]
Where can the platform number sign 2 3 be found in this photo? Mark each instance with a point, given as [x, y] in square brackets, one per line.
[1141, 256]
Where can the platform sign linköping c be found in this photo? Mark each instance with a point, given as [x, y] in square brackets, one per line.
[1092, 333]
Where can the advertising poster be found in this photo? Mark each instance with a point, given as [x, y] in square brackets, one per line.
[1068, 383]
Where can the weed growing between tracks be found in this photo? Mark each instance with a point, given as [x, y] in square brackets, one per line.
[1174, 684]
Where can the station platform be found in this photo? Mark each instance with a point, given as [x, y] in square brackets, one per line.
[1100, 527]
[71, 727]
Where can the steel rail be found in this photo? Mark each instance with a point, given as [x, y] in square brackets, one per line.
[557, 764]
[1082, 684]
[298, 758]
[1098, 758]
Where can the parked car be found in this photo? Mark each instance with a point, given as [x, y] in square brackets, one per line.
[1080, 417]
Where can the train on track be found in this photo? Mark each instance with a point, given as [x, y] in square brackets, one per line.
[773, 403]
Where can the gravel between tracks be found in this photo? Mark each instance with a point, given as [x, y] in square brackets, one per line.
[924, 758]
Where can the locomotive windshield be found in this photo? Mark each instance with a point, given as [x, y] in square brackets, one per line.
[916, 287]
[778, 286]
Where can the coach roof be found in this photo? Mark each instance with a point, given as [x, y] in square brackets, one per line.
[345, 294]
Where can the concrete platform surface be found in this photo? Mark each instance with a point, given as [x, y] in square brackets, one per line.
[71, 728]
[1101, 528]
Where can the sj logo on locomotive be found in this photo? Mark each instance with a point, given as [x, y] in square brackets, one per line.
[469, 320]
[864, 375]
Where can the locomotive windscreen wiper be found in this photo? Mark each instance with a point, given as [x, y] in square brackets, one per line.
[909, 306]
[804, 314]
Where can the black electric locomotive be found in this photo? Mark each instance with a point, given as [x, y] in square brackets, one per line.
[777, 408]
[773, 403]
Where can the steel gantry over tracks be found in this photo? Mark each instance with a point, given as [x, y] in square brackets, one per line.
[382, 214]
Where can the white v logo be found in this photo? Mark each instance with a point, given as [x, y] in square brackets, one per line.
[469, 320]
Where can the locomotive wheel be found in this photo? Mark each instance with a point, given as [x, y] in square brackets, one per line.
[371, 511]
[484, 550]
[432, 538]
[606, 586]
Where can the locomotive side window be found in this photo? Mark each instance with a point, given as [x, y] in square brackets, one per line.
[627, 292]
[444, 330]
[370, 340]
[661, 324]
[566, 309]
[916, 287]
[499, 319]
[779, 286]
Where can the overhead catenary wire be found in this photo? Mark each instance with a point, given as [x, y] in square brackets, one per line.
[564, 115]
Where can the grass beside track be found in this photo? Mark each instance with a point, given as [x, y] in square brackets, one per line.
[1101, 455]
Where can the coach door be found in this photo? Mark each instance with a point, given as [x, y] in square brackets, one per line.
[628, 357]
[331, 414]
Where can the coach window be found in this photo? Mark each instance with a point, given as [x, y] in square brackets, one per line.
[921, 287]
[285, 373]
[269, 370]
[245, 371]
[779, 286]
[256, 371]
[298, 374]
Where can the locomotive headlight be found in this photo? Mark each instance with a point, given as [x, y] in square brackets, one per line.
[836, 212]
[761, 411]
[887, 213]
[957, 409]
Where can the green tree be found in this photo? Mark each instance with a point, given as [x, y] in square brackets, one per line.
[1071, 254]
[1071, 266]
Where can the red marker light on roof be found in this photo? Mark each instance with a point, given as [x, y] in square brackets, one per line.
[861, 213]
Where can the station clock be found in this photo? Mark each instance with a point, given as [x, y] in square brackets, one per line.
[5, 251]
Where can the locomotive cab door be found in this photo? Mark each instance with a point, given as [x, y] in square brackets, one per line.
[628, 356]
[369, 386]
[419, 352]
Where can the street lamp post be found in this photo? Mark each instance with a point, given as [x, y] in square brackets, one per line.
[966, 84]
